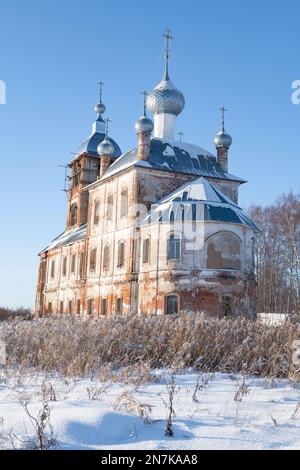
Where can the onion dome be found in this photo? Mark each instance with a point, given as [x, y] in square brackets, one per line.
[144, 125]
[106, 148]
[165, 98]
[100, 108]
[222, 139]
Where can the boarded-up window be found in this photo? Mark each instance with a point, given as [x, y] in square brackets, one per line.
[73, 214]
[109, 207]
[103, 306]
[96, 212]
[52, 269]
[124, 202]
[93, 255]
[146, 250]
[64, 266]
[90, 309]
[173, 247]
[106, 256]
[119, 305]
[171, 304]
[224, 251]
[121, 253]
[73, 263]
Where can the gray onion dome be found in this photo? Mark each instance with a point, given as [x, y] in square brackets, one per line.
[144, 125]
[165, 98]
[106, 148]
[100, 108]
[222, 139]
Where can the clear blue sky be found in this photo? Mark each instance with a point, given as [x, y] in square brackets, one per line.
[243, 55]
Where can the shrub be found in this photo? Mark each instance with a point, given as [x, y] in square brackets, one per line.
[73, 347]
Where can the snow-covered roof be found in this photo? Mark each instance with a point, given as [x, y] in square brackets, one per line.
[68, 237]
[176, 157]
[198, 200]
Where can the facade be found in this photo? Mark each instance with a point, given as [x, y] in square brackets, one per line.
[156, 229]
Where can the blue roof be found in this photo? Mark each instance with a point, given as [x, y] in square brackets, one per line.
[90, 145]
[178, 157]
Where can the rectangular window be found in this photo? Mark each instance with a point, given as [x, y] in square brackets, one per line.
[61, 307]
[173, 248]
[119, 305]
[49, 307]
[90, 309]
[70, 306]
[171, 304]
[146, 250]
[103, 306]
[78, 307]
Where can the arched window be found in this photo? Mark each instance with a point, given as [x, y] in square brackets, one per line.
[81, 265]
[73, 263]
[121, 254]
[109, 207]
[103, 306]
[146, 250]
[64, 266]
[90, 308]
[124, 202]
[106, 257]
[173, 247]
[224, 251]
[73, 214]
[52, 269]
[119, 305]
[97, 212]
[171, 304]
[93, 255]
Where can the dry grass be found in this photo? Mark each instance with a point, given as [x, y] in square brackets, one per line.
[78, 348]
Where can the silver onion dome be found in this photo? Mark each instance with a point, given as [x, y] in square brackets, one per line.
[222, 139]
[106, 148]
[144, 125]
[165, 98]
[100, 108]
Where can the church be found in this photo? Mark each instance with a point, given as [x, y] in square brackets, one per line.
[155, 230]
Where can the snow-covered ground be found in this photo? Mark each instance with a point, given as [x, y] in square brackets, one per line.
[120, 418]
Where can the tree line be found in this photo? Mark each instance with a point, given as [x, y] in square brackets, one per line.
[277, 253]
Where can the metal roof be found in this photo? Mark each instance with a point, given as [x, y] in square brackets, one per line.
[173, 156]
[68, 237]
[90, 145]
[198, 200]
